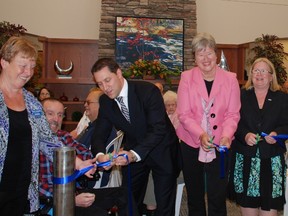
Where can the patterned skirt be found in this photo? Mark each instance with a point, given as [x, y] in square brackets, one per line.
[256, 182]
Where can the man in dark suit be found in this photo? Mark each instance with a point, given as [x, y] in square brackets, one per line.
[150, 139]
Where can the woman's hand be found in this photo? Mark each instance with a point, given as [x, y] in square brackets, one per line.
[225, 141]
[251, 139]
[205, 142]
[269, 139]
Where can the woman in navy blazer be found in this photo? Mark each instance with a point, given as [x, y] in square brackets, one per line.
[258, 166]
[150, 138]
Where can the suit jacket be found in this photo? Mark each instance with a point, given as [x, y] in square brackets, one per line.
[150, 134]
[85, 138]
[272, 117]
[224, 113]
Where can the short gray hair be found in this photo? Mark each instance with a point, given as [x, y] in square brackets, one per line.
[201, 41]
[170, 95]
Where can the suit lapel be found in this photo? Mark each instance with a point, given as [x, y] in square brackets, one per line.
[132, 102]
[131, 106]
[217, 83]
[119, 116]
[252, 100]
[198, 84]
[268, 103]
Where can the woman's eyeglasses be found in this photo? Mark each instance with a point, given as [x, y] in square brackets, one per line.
[260, 71]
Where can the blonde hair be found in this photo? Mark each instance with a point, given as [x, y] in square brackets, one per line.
[274, 86]
[15, 45]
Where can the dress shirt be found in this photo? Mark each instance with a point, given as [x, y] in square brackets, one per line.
[82, 124]
[124, 94]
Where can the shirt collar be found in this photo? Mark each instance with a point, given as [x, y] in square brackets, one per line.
[124, 90]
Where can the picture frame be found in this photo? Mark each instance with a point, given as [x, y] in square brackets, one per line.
[150, 39]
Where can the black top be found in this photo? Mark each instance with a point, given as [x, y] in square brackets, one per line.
[272, 117]
[17, 166]
[208, 86]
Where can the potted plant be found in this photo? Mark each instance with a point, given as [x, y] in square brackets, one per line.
[149, 69]
[7, 30]
[269, 47]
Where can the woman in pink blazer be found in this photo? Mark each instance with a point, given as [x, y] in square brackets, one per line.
[208, 108]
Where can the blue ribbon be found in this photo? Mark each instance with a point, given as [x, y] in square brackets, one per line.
[280, 138]
[129, 183]
[78, 173]
[75, 175]
[103, 164]
[129, 187]
[222, 150]
[108, 163]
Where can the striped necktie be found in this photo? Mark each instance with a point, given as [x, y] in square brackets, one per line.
[124, 109]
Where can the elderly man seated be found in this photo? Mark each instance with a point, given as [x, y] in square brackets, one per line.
[91, 106]
[88, 201]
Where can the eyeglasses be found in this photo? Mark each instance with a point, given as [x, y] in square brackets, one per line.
[89, 102]
[261, 71]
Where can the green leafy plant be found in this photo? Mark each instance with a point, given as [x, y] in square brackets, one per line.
[143, 68]
[268, 46]
[7, 30]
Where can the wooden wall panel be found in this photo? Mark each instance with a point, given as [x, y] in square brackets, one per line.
[235, 56]
[83, 54]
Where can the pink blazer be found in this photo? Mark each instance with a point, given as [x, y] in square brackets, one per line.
[224, 113]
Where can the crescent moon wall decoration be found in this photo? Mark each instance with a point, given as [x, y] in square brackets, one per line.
[63, 73]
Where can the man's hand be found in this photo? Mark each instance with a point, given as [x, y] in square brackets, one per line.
[84, 199]
[122, 161]
[83, 164]
[104, 158]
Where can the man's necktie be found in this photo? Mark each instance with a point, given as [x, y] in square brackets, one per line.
[124, 109]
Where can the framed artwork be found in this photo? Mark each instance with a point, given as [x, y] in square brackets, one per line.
[150, 39]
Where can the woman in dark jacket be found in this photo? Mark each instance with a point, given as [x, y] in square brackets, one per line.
[258, 171]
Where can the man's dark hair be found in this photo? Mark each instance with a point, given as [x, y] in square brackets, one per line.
[105, 62]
